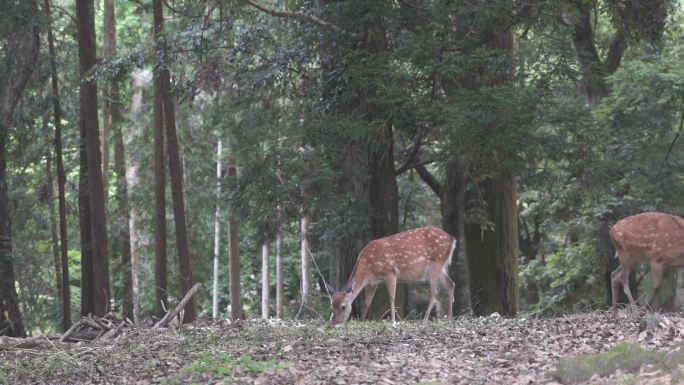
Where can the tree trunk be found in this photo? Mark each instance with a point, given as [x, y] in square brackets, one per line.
[54, 244]
[384, 202]
[109, 97]
[280, 279]
[24, 44]
[217, 233]
[234, 256]
[175, 174]
[140, 79]
[61, 178]
[90, 128]
[122, 242]
[160, 260]
[452, 203]
[493, 253]
[10, 316]
[306, 257]
[265, 287]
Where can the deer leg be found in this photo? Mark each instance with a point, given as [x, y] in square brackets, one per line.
[680, 287]
[625, 286]
[370, 292]
[391, 283]
[615, 281]
[433, 298]
[448, 285]
[657, 278]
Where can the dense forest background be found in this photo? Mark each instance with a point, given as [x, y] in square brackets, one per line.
[256, 146]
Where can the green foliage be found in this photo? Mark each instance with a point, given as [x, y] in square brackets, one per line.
[625, 356]
[220, 367]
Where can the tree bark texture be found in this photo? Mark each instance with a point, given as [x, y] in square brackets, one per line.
[160, 257]
[280, 278]
[175, 174]
[234, 256]
[90, 133]
[493, 253]
[305, 257]
[24, 45]
[265, 279]
[61, 178]
[217, 233]
[452, 204]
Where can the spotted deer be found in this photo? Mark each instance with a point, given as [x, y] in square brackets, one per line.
[653, 238]
[410, 256]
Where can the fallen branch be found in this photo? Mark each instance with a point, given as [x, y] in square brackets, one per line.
[172, 314]
[42, 342]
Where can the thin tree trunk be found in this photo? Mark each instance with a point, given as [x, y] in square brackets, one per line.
[175, 174]
[265, 287]
[234, 256]
[54, 244]
[160, 260]
[89, 123]
[109, 97]
[306, 257]
[280, 271]
[217, 233]
[61, 178]
[121, 242]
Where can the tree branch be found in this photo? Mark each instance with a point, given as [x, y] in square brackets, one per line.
[617, 47]
[412, 155]
[301, 16]
[429, 179]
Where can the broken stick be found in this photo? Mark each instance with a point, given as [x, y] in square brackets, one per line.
[170, 315]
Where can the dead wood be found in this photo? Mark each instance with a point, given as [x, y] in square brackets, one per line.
[42, 342]
[172, 314]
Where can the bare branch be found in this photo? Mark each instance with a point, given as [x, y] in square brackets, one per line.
[301, 16]
[429, 179]
[412, 155]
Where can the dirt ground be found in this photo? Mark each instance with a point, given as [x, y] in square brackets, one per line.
[488, 350]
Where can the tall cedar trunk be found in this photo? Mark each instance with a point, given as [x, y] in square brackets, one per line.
[234, 256]
[50, 189]
[493, 253]
[452, 203]
[175, 174]
[140, 80]
[383, 192]
[280, 270]
[305, 257]
[265, 273]
[160, 258]
[61, 179]
[87, 301]
[24, 45]
[10, 316]
[217, 234]
[121, 242]
[384, 202]
[107, 119]
[90, 129]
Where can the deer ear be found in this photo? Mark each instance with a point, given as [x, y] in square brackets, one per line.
[329, 289]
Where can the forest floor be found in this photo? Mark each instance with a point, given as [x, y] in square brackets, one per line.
[488, 350]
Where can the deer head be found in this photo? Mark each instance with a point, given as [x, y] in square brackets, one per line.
[341, 302]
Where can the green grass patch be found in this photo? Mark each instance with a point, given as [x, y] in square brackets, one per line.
[627, 357]
[219, 367]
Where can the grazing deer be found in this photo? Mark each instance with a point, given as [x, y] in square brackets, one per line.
[410, 256]
[653, 238]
